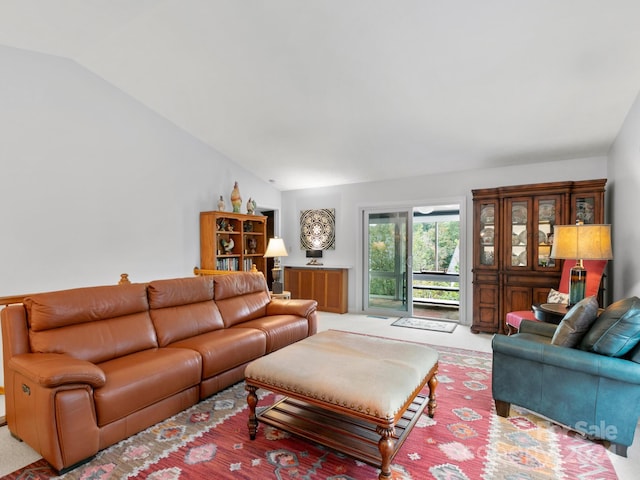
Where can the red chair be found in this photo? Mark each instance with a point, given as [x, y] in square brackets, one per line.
[595, 270]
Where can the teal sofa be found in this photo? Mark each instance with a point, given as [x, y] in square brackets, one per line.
[590, 383]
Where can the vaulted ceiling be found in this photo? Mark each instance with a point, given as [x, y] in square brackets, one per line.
[314, 93]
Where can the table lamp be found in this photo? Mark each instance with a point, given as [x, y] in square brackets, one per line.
[275, 250]
[581, 242]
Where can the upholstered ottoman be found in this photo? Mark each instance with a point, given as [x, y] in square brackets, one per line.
[354, 393]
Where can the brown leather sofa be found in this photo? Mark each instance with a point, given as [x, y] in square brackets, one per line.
[85, 368]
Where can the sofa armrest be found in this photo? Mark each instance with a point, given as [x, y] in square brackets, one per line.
[538, 328]
[529, 348]
[300, 307]
[54, 369]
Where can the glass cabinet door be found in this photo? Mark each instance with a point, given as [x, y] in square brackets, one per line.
[547, 214]
[520, 223]
[488, 234]
[584, 208]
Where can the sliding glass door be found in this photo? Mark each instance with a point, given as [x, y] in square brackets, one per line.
[387, 258]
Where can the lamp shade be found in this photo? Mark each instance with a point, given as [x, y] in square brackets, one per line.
[582, 242]
[276, 248]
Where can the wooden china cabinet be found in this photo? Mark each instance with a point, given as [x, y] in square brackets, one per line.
[512, 239]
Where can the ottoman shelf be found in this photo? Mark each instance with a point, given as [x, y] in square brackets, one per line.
[351, 436]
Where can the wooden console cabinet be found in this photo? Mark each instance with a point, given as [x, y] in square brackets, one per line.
[328, 286]
[512, 239]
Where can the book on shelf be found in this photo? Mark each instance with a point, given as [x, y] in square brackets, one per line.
[231, 264]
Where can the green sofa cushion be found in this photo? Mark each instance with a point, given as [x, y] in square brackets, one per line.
[616, 331]
[576, 323]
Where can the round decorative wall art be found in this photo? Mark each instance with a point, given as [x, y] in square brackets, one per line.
[318, 229]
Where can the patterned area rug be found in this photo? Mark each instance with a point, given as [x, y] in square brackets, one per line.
[465, 440]
[426, 324]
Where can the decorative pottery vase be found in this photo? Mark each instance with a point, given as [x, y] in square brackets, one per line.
[251, 206]
[221, 205]
[252, 245]
[236, 199]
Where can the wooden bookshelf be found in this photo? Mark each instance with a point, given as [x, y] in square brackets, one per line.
[232, 242]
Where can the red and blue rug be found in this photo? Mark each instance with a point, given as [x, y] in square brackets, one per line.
[465, 440]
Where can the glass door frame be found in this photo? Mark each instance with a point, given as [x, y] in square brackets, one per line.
[465, 257]
[406, 297]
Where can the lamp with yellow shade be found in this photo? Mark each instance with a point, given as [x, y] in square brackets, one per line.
[581, 242]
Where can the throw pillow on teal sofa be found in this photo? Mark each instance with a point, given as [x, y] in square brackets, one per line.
[616, 331]
[576, 323]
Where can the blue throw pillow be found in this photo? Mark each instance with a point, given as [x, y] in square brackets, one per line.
[576, 323]
[617, 329]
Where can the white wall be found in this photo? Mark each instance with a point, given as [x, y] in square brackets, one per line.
[426, 190]
[94, 184]
[624, 171]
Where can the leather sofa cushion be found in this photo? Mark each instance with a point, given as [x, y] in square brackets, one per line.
[177, 323]
[180, 291]
[98, 341]
[576, 323]
[241, 297]
[228, 286]
[223, 350]
[100, 323]
[141, 379]
[617, 330]
[81, 305]
[183, 308]
[281, 330]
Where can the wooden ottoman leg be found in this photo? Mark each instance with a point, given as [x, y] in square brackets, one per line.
[386, 446]
[252, 401]
[431, 406]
